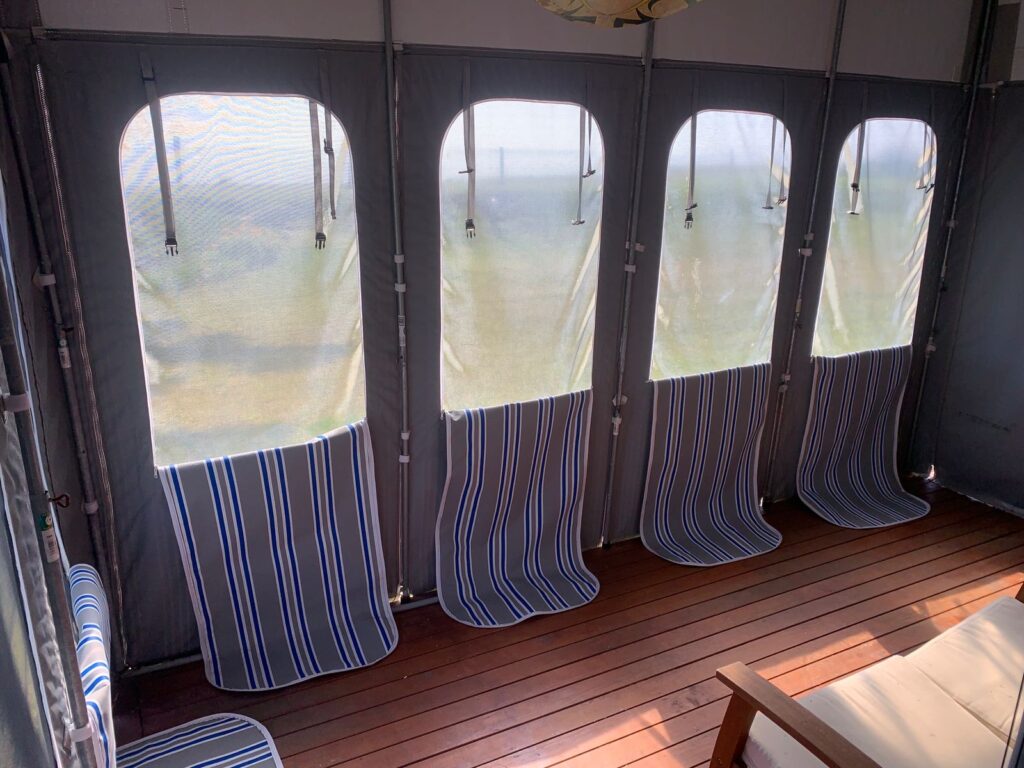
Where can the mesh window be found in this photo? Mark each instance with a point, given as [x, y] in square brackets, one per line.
[719, 272]
[876, 242]
[252, 336]
[518, 298]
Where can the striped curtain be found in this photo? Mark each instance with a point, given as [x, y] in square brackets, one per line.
[847, 470]
[701, 505]
[281, 550]
[508, 532]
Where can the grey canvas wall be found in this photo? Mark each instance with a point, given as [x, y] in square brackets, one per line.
[95, 88]
[972, 427]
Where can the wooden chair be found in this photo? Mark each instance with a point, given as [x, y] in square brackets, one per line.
[751, 694]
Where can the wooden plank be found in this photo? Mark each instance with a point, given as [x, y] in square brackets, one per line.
[641, 591]
[843, 629]
[606, 677]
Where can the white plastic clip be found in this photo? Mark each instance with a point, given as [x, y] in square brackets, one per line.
[399, 287]
[806, 252]
[399, 258]
[951, 224]
[403, 458]
[809, 237]
[91, 507]
[631, 268]
[406, 435]
[616, 421]
[40, 281]
[80, 734]
[15, 403]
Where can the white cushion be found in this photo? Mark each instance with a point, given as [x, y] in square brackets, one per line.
[894, 714]
[980, 662]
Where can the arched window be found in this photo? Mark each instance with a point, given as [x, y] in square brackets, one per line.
[725, 218]
[251, 326]
[521, 188]
[881, 206]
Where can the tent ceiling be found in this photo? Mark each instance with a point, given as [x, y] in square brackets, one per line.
[921, 39]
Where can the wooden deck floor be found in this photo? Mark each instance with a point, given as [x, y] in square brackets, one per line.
[629, 678]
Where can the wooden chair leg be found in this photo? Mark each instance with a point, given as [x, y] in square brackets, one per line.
[733, 734]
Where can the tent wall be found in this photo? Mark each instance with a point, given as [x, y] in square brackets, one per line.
[943, 107]
[972, 422]
[94, 87]
[921, 39]
[43, 366]
[431, 84]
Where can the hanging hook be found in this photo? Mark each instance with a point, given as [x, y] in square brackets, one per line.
[590, 147]
[690, 204]
[858, 164]
[771, 168]
[582, 174]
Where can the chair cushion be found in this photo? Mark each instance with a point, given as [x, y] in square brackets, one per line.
[89, 605]
[894, 713]
[980, 662]
[220, 740]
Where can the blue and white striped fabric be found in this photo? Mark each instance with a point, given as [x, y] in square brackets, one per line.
[508, 533]
[281, 550]
[220, 741]
[701, 505]
[89, 605]
[847, 471]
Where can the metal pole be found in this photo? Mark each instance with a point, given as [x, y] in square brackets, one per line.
[17, 399]
[980, 57]
[807, 250]
[640, 126]
[402, 593]
[47, 281]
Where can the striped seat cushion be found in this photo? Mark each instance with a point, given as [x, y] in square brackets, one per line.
[508, 533]
[281, 550]
[220, 741]
[89, 605]
[847, 471]
[701, 505]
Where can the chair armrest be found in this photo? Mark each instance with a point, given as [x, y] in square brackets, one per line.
[752, 694]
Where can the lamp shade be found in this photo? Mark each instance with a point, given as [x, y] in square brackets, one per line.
[613, 13]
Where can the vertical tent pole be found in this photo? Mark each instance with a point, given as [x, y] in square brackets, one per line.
[807, 250]
[402, 592]
[980, 59]
[18, 400]
[156, 117]
[640, 131]
[318, 176]
[106, 558]
[47, 281]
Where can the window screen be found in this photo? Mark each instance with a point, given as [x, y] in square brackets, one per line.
[877, 238]
[725, 217]
[251, 334]
[518, 295]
